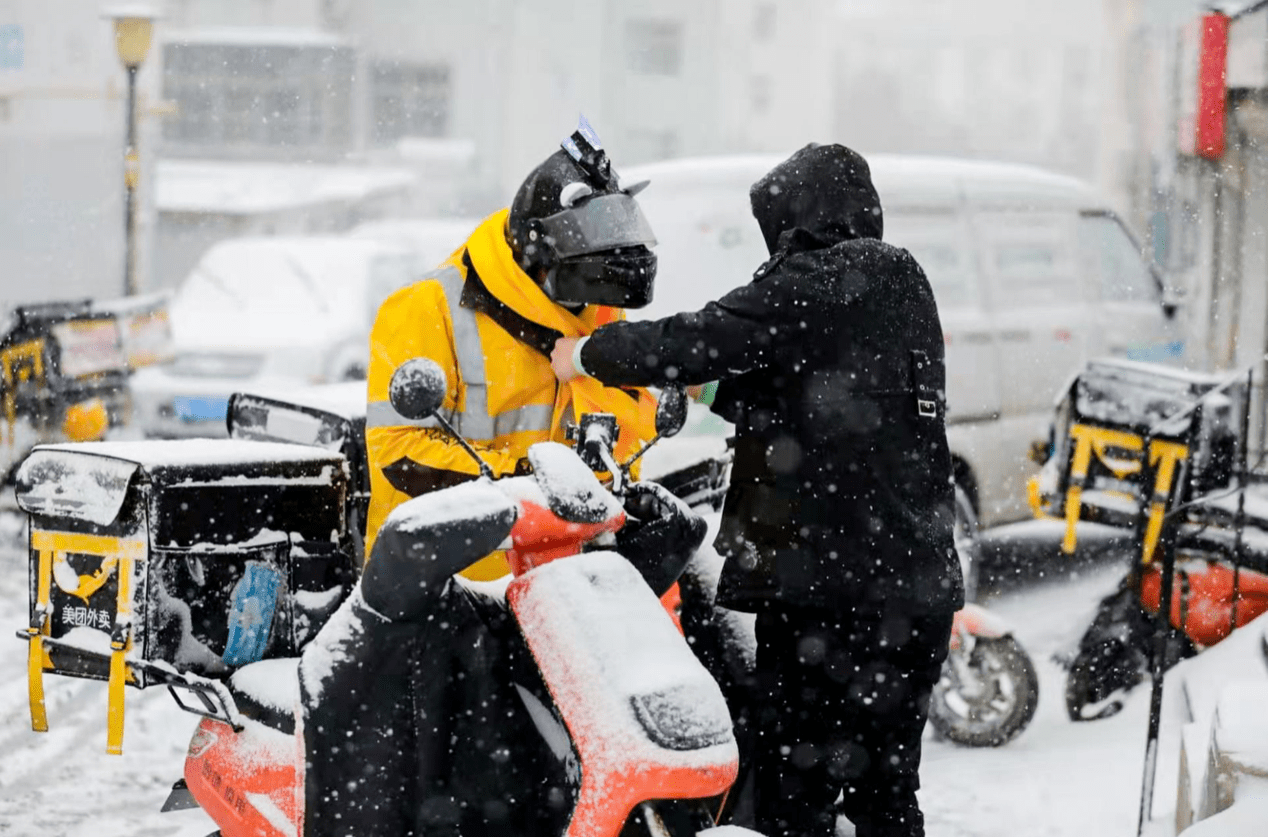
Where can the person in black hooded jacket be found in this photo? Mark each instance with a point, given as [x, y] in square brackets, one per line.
[837, 526]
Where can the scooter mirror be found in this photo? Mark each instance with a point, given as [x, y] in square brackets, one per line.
[418, 388]
[671, 410]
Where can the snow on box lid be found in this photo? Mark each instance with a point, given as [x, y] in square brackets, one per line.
[90, 480]
[1123, 392]
[156, 455]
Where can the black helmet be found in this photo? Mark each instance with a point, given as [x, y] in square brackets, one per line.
[575, 231]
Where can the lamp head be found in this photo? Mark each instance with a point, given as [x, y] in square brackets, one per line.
[133, 29]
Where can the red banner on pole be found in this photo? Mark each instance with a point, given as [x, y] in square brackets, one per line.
[1203, 87]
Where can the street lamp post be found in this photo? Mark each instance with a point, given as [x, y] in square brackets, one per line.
[133, 28]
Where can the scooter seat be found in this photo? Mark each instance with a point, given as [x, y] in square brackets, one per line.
[268, 692]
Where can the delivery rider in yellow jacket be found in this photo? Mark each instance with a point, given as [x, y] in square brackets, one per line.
[570, 252]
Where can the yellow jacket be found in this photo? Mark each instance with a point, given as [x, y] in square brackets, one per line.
[502, 393]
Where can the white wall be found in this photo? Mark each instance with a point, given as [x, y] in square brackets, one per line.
[572, 56]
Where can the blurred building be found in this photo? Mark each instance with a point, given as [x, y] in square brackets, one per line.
[1038, 83]
[62, 126]
[467, 97]
[258, 93]
[323, 78]
[1213, 190]
[662, 79]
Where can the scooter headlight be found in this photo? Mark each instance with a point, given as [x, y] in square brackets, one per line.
[690, 716]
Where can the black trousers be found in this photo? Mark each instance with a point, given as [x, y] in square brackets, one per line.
[835, 710]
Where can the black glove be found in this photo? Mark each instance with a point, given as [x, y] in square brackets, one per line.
[660, 535]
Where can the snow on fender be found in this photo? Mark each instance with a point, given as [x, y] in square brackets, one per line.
[728, 831]
[977, 621]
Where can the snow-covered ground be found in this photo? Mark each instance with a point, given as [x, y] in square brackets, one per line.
[1057, 778]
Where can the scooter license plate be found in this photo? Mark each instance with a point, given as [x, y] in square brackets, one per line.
[200, 408]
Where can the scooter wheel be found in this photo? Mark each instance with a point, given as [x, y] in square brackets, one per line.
[990, 699]
[1082, 703]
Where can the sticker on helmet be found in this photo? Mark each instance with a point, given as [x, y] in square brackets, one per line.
[585, 135]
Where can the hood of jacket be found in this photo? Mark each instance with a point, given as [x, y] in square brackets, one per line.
[822, 191]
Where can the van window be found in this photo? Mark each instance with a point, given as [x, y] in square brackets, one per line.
[1123, 274]
[708, 244]
[939, 243]
[1029, 259]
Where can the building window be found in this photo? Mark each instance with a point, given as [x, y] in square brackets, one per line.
[764, 22]
[259, 96]
[653, 47]
[410, 100]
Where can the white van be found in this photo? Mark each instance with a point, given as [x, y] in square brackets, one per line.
[1033, 274]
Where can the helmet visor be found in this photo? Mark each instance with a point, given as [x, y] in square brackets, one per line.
[601, 223]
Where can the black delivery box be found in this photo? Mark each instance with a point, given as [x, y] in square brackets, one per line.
[194, 557]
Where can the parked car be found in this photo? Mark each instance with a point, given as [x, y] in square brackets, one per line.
[1033, 272]
[429, 240]
[266, 312]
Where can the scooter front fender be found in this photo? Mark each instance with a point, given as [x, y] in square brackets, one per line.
[977, 621]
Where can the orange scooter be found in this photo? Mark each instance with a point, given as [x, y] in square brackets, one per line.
[639, 733]
[1210, 598]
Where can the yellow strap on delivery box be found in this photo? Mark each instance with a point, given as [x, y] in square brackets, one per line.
[1090, 440]
[1166, 455]
[1087, 439]
[117, 553]
[120, 644]
[37, 630]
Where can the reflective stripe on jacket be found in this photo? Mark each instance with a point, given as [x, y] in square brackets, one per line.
[501, 395]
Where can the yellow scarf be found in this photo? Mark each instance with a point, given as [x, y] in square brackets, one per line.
[494, 262]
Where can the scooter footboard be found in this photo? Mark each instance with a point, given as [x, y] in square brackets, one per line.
[647, 720]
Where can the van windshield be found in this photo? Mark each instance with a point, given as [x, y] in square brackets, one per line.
[1123, 274]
